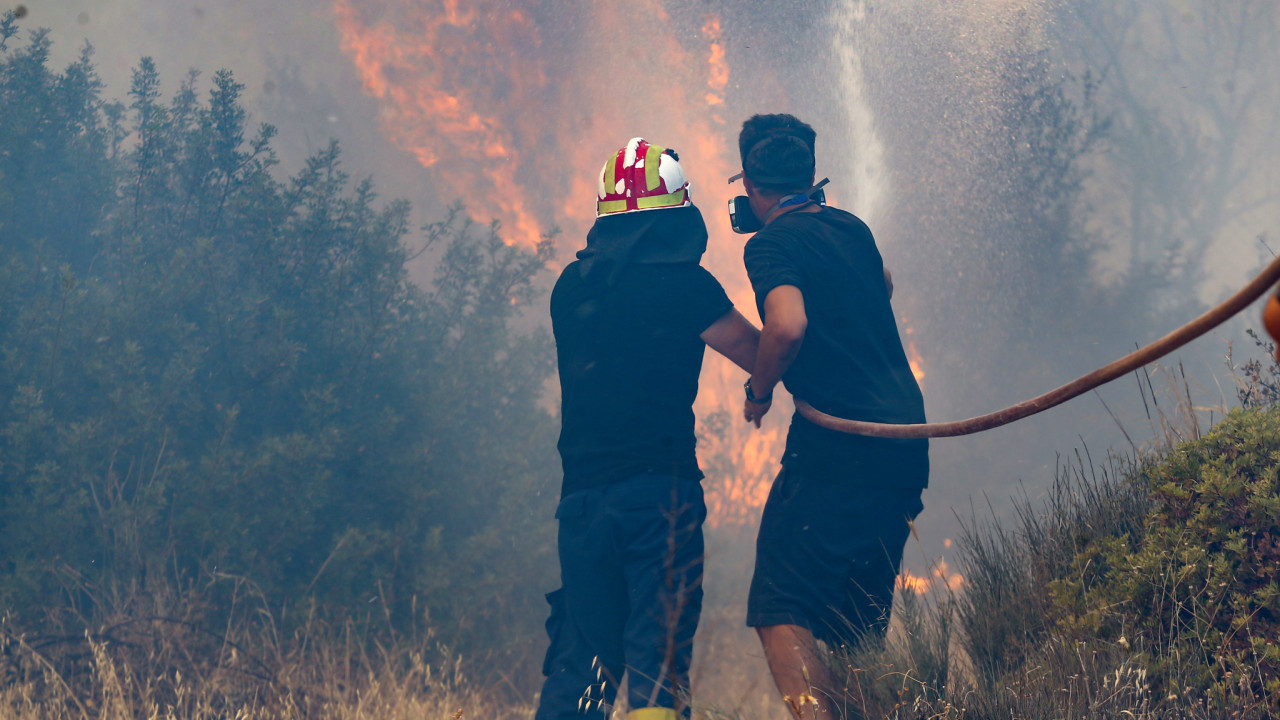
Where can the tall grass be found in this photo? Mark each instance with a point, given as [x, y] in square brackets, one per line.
[178, 667]
[109, 682]
[1143, 586]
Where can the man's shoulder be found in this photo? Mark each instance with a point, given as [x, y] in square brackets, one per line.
[768, 236]
[666, 288]
[779, 235]
[566, 285]
[848, 223]
[569, 276]
[830, 217]
[831, 222]
[571, 272]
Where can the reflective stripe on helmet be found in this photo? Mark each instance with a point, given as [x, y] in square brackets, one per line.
[608, 207]
[611, 175]
[652, 163]
[655, 201]
[647, 202]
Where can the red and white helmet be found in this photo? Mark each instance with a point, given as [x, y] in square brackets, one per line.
[641, 176]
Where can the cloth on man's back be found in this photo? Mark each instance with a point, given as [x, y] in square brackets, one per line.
[851, 363]
[629, 355]
[676, 235]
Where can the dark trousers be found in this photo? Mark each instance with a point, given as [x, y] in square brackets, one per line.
[829, 550]
[631, 576]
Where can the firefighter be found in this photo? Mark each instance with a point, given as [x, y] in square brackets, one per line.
[631, 317]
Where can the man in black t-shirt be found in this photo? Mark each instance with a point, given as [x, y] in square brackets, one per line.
[838, 514]
[631, 319]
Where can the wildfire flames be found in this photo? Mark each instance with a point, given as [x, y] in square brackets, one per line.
[940, 577]
[514, 113]
[913, 355]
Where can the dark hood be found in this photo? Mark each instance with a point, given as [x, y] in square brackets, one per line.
[676, 235]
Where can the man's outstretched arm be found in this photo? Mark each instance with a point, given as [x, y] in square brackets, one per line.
[734, 337]
[780, 341]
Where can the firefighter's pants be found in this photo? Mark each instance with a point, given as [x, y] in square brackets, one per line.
[631, 575]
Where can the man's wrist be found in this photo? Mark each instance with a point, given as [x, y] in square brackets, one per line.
[753, 398]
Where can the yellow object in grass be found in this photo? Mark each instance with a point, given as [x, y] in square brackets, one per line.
[652, 713]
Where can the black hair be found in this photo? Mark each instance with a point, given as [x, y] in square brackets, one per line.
[780, 164]
[758, 127]
[777, 147]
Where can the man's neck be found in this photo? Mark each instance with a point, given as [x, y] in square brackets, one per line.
[808, 207]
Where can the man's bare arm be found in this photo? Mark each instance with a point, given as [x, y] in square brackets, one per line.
[734, 337]
[784, 328]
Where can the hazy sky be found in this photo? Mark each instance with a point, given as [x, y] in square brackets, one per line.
[286, 52]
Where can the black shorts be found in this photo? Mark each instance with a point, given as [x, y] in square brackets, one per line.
[828, 552]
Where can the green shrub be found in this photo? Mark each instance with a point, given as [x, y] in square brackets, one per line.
[1197, 589]
[1145, 588]
[213, 378]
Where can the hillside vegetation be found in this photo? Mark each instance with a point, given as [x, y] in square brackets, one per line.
[1143, 588]
[248, 469]
[227, 416]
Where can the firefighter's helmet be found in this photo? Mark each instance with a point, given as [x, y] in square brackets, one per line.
[641, 176]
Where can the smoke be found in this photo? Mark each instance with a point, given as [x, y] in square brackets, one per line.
[1034, 235]
[1008, 281]
[287, 53]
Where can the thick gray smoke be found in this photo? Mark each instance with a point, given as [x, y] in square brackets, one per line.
[1057, 182]
[286, 52]
[1051, 182]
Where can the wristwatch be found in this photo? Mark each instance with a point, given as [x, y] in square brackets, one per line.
[751, 397]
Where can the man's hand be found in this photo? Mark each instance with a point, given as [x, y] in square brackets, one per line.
[755, 412]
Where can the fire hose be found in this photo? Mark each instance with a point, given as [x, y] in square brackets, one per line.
[1103, 375]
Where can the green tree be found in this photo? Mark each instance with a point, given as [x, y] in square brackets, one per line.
[210, 372]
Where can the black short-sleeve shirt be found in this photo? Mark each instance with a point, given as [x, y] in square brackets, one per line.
[851, 363]
[629, 356]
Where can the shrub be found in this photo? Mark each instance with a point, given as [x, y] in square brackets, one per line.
[1145, 588]
[1197, 588]
[212, 379]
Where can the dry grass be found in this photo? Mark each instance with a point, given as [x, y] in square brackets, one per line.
[105, 680]
[992, 651]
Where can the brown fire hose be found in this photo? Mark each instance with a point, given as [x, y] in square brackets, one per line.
[1134, 360]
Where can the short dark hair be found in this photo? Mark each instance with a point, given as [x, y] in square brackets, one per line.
[777, 146]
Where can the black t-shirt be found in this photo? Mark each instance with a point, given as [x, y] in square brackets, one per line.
[851, 363]
[629, 356]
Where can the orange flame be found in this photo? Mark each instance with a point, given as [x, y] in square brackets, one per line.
[718, 77]
[738, 493]
[941, 576]
[442, 111]
[479, 93]
[914, 359]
